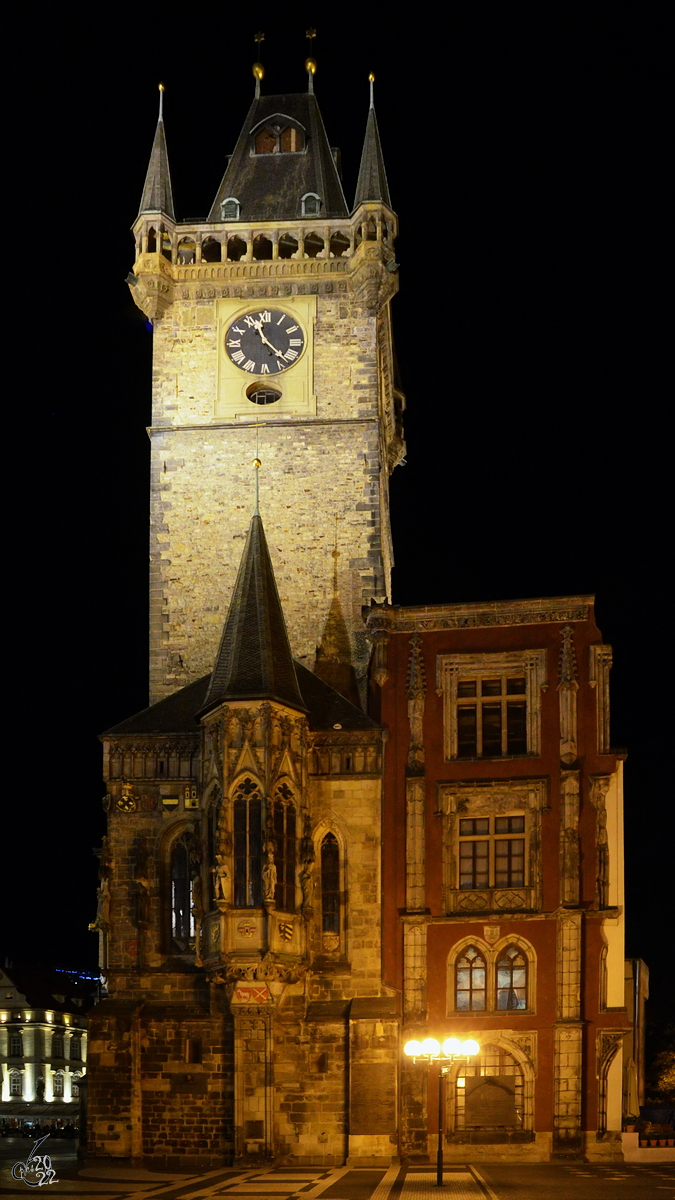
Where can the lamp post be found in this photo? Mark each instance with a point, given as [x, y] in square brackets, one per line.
[431, 1051]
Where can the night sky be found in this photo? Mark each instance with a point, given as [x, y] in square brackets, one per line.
[526, 153]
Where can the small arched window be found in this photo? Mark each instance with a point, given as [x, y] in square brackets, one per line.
[311, 204]
[58, 1084]
[230, 209]
[16, 1045]
[284, 848]
[247, 844]
[470, 971]
[57, 1046]
[182, 917]
[330, 884]
[266, 141]
[152, 241]
[15, 1083]
[512, 978]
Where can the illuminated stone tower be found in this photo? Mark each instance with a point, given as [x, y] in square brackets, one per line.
[272, 335]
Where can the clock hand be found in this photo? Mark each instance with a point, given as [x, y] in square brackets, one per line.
[258, 328]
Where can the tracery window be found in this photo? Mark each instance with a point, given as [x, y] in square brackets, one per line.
[470, 981]
[330, 884]
[182, 917]
[489, 1094]
[512, 978]
[284, 848]
[247, 844]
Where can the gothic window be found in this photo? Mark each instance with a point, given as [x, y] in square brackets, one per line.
[470, 981]
[492, 703]
[75, 1048]
[512, 978]
[75, 1087]
[16, 1045]
[284, 848]
[489, 1093]
[291, 140]
[266, 142]
[15, 1084]
[489, 856]
[247, 844]
[330, 884]
[58, 1084]
[230, 209]
[311, 204]
[182, 918]
[57, 1046]
[288, 246]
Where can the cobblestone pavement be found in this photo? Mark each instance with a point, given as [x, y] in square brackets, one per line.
[574, 1181]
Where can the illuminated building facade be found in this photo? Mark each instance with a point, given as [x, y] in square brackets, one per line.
[310, 857]
[43, 1045]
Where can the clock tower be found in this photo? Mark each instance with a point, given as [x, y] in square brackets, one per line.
[272, 340]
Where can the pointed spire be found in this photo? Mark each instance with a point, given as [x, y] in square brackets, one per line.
[254, 661]
[372, 183]
[157, 195]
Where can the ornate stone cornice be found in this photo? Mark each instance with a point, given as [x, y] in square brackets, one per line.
[549, 609]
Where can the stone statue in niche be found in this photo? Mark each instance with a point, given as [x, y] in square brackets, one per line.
[221, 876]
[307, 862]
[269, 874]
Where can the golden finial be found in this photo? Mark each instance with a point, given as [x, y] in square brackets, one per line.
[371, 80]
[258, 69]
[161, 101]
[310, 63]
[257, 464]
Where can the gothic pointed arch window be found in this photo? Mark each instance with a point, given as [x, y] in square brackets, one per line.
[470, 981]
[247, 822]
[330, 885]
[285, 847]
[512, 978]
[181, 880]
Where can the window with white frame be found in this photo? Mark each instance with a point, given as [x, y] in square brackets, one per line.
[58, 1084]
[492, 703]
[15, 1083]
[75, 1087]
[16, 1045]
[491, 852]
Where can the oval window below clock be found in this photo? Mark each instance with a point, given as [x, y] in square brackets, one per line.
[260, 394]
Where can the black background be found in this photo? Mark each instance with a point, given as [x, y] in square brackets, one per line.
[526, 147]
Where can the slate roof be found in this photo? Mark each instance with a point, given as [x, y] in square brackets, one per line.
[372, 182]
[157, 195]
[178, 713]
[254, 660]
[270, 187]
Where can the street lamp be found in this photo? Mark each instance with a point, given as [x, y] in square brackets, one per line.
[431, 1051]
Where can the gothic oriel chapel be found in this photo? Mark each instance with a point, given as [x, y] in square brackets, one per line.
[340, 824]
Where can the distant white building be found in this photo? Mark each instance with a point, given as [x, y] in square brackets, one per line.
[43, 1044]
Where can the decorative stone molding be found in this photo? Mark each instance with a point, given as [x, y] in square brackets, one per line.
[415, 691]
[568, 966]
[492, 613]
[569, 837]
[599, 788]
[600, 666]
[567, 1087]
[414, 968]
[568, 687]
[473, 798]
[379, 625]
[607, 1045]
[449, 667]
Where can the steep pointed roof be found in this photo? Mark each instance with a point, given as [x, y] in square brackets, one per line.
[157, 195]
[254, 661]
[372, 182]
[270, 187]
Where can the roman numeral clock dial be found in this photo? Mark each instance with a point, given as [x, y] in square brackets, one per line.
[264, 342]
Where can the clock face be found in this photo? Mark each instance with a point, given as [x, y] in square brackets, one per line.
[265, 342]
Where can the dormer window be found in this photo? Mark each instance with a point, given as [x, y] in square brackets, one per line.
[229, 209]
[311, 204]
[279, 136]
